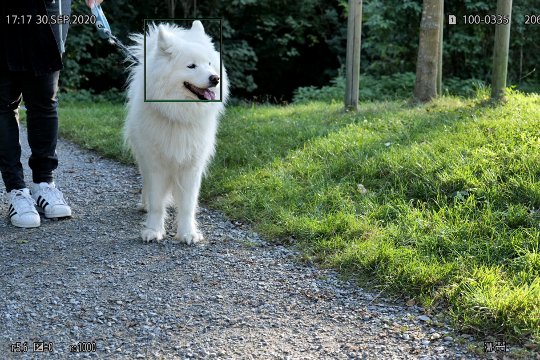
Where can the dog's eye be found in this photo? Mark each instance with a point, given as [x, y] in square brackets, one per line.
[192, 66]
[210, 64]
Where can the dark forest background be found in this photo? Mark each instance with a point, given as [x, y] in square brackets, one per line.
[273, 47]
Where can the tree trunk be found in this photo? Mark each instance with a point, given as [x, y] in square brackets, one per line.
[500, 51]
[440, 62]
[186, 6]
[428, 52]
[354, 35]
[171, 7]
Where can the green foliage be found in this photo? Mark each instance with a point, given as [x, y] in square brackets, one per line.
[468, 49]
[390, 40]
[90, 62]
[384, 87]
[109, 96]
[462, 87]
[390, 36]
[387, 87]
[280, 37]
[263, 41]
[241, 62]
[333, 92]
[273, 47]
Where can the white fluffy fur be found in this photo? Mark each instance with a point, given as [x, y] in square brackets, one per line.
[173, 141]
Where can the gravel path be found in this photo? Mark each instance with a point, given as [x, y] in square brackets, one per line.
[234, 296]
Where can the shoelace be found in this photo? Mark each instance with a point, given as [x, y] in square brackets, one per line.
[56, 195]
[24, 202]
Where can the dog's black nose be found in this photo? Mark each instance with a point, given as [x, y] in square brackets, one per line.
[214, 79]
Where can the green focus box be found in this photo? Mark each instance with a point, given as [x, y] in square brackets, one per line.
[210, 30]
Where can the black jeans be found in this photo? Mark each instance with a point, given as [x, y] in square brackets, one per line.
[39, 93]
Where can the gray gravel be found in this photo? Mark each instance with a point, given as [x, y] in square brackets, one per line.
[91, 278]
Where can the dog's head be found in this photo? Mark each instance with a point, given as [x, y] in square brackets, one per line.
[186, 63]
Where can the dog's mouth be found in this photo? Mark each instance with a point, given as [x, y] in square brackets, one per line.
[202, 94]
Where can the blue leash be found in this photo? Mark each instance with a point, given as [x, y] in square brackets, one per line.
[104, 31]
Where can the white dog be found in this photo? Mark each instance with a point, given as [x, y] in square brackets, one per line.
[173, 141]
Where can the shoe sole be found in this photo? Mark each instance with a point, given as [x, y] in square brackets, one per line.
[19, 225]
[53, 216]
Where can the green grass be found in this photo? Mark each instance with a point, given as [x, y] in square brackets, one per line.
[95, 126]
[438, 202]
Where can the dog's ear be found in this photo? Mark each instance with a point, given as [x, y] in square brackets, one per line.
[197, 26]
[165, 40]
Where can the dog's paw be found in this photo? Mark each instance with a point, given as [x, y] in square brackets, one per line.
[151, 235]
[189, 238]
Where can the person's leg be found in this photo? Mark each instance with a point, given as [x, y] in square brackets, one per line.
[21, 210]
[39, 93]
[10, 148]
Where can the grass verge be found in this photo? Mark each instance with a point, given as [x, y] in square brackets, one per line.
[438, 202]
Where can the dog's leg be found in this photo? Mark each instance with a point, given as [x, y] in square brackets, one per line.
[145, 173]
[186, 193]
[143, 204]
[156, 190]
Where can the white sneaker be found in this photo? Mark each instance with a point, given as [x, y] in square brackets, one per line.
[50, 201]
[22, 211]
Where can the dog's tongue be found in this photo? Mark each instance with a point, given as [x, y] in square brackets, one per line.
[209, 94]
